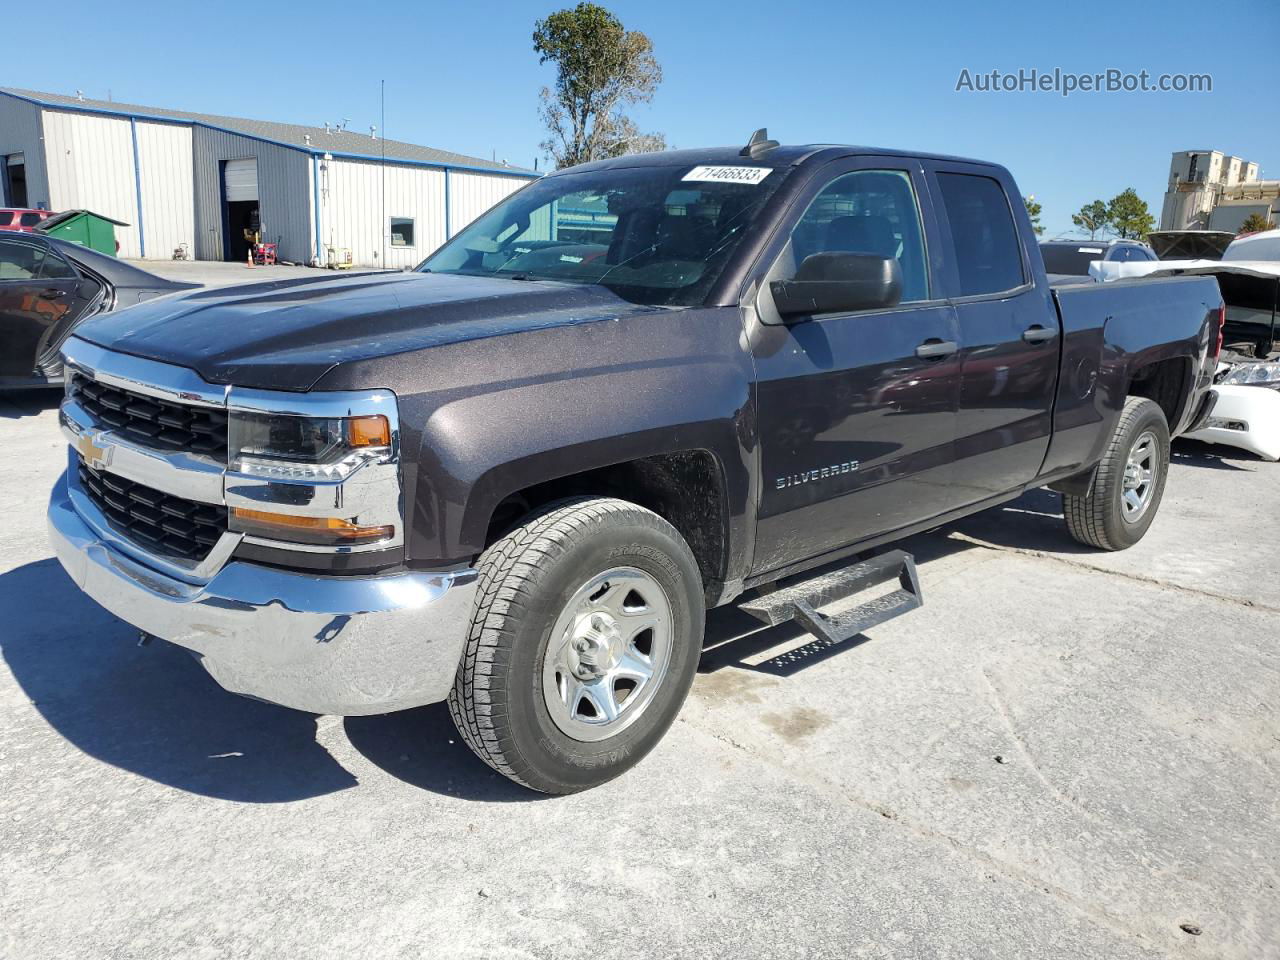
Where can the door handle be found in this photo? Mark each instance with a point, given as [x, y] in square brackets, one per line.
[935, 349]
[52, 293]
[1038, 334]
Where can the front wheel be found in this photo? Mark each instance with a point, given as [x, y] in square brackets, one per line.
[1129, 485]
[587, 633]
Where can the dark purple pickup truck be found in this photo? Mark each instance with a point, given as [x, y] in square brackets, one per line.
[518, 477]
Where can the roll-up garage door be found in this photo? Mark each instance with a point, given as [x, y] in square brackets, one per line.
[241, 180]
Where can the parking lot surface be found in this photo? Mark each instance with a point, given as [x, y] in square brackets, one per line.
[1063, 754]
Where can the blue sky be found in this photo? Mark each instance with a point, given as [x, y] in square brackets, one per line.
[463, 76]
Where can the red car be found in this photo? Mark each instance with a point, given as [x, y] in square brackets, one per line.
[22, 220]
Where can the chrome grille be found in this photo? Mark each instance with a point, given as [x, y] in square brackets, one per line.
[152, 422]
[165, 524]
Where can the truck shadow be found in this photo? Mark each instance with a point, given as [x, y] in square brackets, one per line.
[422, 748]
[1214, 456]
[154, 711]
[16, 404]
[151, 711]
[735, 639]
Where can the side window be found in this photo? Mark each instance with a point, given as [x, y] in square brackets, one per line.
[983, 237]
[868, 211]
[30, 219]
[402, 231]
[19, 261]
[53, 267]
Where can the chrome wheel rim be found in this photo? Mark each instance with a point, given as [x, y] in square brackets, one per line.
[608, 654]
[1141, 471]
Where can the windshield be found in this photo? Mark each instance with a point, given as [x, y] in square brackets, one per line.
[1069, 259]
[653, 235]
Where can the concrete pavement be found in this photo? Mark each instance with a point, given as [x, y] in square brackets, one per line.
[1063, 754]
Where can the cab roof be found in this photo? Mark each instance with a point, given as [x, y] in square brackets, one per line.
[792, 155]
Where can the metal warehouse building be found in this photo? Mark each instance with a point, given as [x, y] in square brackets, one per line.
[210, 182]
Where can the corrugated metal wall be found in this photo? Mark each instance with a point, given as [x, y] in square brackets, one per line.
[471, 194]
[20, 133]
[351, 207]
[79, 159]
[90, 167]
[284, 202]
[351, 210]
[165, 171]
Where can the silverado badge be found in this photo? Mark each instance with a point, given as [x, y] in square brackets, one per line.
[820, 473]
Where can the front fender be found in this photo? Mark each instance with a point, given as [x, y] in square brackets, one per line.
[478, 448]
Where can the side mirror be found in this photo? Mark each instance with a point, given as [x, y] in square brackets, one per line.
[839, 283]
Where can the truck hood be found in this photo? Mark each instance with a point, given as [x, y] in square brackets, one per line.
[287, 334]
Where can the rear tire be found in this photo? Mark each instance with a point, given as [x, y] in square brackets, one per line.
[586, 636]
[1129, 484]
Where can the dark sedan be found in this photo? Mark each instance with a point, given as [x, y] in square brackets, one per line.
[47, 287]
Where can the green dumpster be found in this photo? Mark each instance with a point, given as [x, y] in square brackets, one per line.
[84, 227]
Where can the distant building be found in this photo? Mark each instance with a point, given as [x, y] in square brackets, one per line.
[212, 183]
[1209, 190]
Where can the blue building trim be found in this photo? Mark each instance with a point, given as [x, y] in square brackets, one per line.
[310, 151]
[137, 186]
[315, 203]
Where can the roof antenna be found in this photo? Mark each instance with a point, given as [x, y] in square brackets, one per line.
[758, 144]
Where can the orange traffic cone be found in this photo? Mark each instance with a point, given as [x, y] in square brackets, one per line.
[249, 259]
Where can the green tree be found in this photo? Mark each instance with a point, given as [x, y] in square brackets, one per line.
[1128, 216]
[1255, 223]
[1092, 217]
[601, 67]
[1033, 211]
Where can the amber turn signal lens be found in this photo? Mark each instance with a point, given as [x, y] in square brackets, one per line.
[324, 531]
[368, 432]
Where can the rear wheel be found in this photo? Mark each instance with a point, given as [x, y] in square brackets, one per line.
[586, 636]
[1129, 484]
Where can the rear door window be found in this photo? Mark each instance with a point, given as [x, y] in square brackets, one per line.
[23, 260]
[53, 267]
[31, 219]
[19, 260]
[984, 239]
[1131, 255]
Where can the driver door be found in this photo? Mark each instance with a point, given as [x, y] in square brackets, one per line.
[857, 412]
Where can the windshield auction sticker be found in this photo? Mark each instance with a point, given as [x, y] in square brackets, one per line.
[728, 174]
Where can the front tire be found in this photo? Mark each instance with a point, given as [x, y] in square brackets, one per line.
[1129, 484]
[586, 636]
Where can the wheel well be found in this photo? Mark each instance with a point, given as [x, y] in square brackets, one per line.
[1167, 383]
[685, 489]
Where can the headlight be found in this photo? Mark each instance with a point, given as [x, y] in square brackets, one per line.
[315, 449]
[1254, 374]
[283, 469]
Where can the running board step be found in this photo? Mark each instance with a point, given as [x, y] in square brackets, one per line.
[800, 601]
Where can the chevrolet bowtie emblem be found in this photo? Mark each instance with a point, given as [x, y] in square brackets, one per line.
[97, 457]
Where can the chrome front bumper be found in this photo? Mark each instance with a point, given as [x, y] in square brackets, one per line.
[336, 645]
